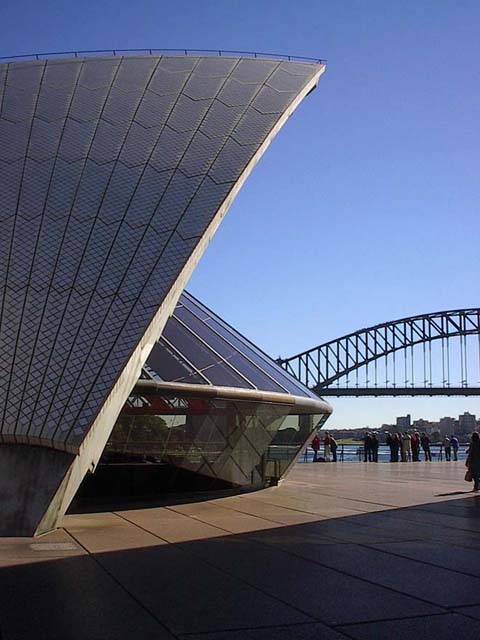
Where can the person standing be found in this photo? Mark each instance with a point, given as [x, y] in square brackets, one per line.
[402, 450]
[406, 448]
[425, 442]
[367, 447]
[333, 447]
[415, 440]
[389, 443]
[395, 447]
[454, 445]
[375, 444]
[473, 460]
[326, 447]
[315, 444]
[447, 448]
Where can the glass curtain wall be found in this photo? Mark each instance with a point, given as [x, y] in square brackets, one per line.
[242, 443]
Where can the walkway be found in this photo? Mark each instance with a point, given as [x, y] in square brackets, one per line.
[353, 551]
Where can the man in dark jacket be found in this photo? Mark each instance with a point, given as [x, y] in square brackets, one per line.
[425, 442]
[389, 443]
[367, 447]
[395, 447]
[333, 448]
[375, 445]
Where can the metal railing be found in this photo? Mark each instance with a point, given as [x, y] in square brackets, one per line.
[176, 52]
[357, 452]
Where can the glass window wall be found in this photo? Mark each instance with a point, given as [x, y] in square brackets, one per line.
[242, 443]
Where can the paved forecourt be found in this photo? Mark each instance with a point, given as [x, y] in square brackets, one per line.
[336, 551]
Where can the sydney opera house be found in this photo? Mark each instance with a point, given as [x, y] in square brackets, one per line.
[115, 172]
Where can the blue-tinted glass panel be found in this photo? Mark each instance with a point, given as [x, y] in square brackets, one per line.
[256, 376]
[206, 340]
[222, 375]
[246, 348]
[169, 366]
[225, 350]
[199, 354]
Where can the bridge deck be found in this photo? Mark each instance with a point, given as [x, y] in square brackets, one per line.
[336, 551]
[356, 392]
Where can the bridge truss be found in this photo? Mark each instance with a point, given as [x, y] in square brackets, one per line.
[432, 354]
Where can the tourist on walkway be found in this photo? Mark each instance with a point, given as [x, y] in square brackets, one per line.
[473, 460]
[415, 441]
[406, 448]
[425, 442]
[367, 448]
[395, 447]
[389, 443]
[326, 447]
[447, 447]
[454, 445]
[375, 444]
[315, 444]
[333, 447]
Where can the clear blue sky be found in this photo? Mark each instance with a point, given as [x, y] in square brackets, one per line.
[366, 207]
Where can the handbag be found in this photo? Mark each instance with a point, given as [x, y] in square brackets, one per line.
[468, 476]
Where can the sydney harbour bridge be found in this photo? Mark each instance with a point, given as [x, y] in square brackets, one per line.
[435, 354]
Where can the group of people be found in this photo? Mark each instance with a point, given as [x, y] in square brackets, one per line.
[450, 446]
[370, 447]
[329, 448]
[406, 447]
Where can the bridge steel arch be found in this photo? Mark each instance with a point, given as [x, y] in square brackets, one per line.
[322, 366]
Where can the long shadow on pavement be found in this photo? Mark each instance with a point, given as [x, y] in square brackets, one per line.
[404, 573]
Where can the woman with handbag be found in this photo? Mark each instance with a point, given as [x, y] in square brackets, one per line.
[473, 461]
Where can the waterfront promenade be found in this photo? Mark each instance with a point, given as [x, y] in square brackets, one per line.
[335, 551]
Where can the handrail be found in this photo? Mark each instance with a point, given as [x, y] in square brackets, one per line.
[436, 448]
[185, 52]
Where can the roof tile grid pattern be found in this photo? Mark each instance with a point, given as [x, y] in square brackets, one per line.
[198, 347]
[110, 171]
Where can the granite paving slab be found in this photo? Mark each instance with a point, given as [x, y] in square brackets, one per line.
[444, 627]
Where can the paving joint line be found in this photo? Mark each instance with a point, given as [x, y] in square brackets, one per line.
[97, 561]
[459, 613]
[414, 617]
[291, 625]
[430, 564]
[246, 513]
[242, 580]
[234, 577]
[336, 496]
[339, 571]
[349, 575]
[139, 526]
[444, 526]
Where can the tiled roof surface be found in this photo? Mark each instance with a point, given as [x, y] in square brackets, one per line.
[111, 169]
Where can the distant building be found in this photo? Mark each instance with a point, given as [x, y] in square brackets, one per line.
[348, 434]
[404, 422]
[447, 425]
[467, 422]
[388, 427]
[424, 425]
